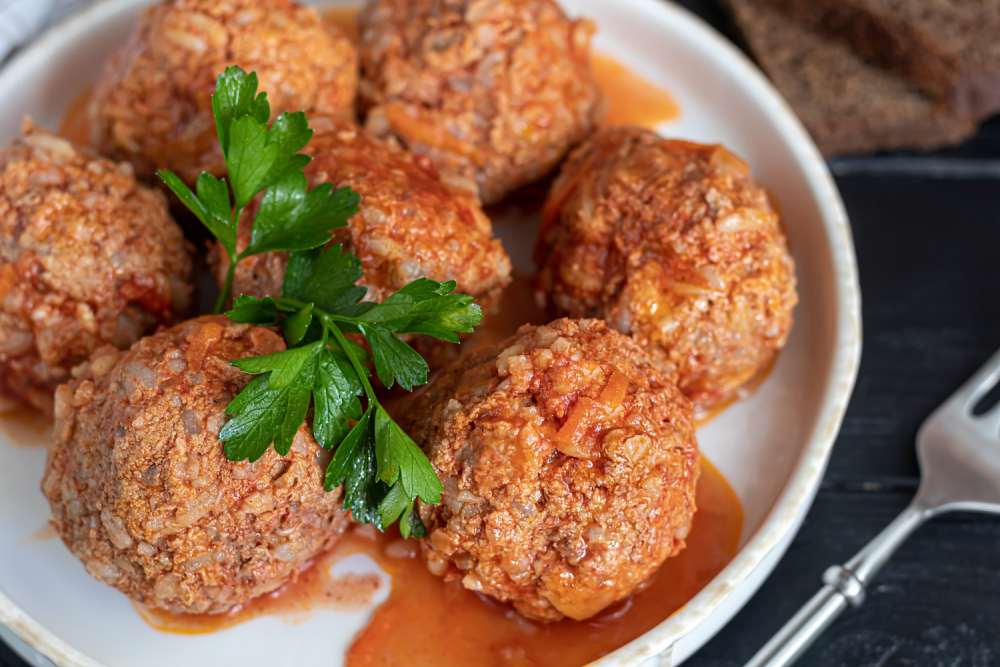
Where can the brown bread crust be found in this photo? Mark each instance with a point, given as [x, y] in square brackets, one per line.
[846, 103]
[948, 49]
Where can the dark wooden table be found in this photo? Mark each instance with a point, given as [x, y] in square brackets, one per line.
[927, 231]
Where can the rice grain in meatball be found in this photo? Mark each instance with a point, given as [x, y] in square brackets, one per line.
[409, 225]
[494, 93]
[142, 492]
[569, 466]
[673, 243]
[87, 257]
[152, 103]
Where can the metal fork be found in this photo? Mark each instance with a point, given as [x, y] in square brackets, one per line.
[959, 455]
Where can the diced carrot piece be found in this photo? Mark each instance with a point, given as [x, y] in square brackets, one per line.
[572, 434]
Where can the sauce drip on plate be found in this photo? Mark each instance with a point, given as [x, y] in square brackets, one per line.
[426, 622]
[22, 426]
[316, 588]
[75, 124]
[629, 98]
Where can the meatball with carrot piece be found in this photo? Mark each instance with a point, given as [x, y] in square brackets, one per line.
[141, 489]
[673, 243]
[152, 104]
[494, 93]
[569, 465]
[88, 257]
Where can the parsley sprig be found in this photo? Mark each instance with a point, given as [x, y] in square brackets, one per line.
[322, 313]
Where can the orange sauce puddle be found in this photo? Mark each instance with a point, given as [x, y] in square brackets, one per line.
[517, 307]
[629, 98]
[75, 124]
[428, 622]
[745, 391]
[46, 532]
[316, 588]
[22, 426]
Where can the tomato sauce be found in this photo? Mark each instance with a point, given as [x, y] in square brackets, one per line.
[75, 124]
[22, 426]
[426, 622]
[629, 98]
[315, 589]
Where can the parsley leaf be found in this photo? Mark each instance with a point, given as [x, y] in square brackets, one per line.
[325, 277]
[353, 466]
[289, 133]
[261, 161]
[251, 310]
[236, 96]
[395, 361]
[399, 459]
[293, 217]
[271, 408]
[336, 395]
[429, 308]
[249, 159]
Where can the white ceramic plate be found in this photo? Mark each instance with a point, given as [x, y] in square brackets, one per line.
[772, 447]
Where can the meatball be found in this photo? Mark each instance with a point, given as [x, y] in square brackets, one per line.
[494, 93]
[152, 103]
[569, 466]
[87, 257]
[673, 243]
[141, 490]
[410, 224]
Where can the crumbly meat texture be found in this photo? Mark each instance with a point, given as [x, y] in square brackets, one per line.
[152, 103]
[409, 225]
[569, 465]
[494, 93]
[673, 243]
[141, 490]
[87, 257]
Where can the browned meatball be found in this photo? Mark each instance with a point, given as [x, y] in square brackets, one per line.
[410, 224]
[152, 104]
[87, 257]
[493, 92]
[674, 243]
[569, 466]
[141, 490]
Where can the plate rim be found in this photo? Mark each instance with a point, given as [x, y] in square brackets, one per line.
[783, 520]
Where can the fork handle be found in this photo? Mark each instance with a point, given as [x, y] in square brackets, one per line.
[844, 586]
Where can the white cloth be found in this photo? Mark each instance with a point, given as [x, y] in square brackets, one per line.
[20, 20]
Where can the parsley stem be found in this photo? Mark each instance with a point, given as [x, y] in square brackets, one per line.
[224, 293]
[234, 259]
[358, 368]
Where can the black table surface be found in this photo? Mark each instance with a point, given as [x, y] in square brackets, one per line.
[927, 233]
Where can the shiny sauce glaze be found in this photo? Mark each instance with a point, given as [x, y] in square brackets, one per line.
[629, 98]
